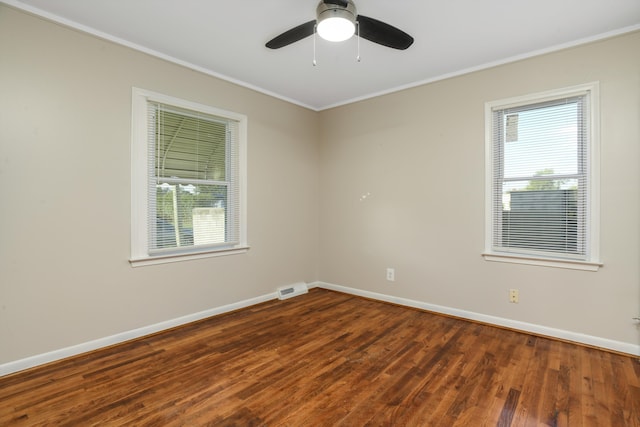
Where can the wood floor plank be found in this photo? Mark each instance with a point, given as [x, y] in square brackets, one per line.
[330, 359]
[508, 410]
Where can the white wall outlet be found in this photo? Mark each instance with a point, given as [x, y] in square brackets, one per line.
[391, 274]
[514, 296]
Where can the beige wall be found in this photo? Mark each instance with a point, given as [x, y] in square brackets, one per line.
[419, 155]
[65, 113]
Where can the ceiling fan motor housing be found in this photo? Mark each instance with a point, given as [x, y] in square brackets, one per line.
[336, 8]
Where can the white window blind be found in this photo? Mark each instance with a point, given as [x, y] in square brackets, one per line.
[193, 179]
[541, 179]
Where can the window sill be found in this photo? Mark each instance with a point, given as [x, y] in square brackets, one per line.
[165, 259]
[544, 262]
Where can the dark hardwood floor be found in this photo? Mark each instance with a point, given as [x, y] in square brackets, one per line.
[330, 359]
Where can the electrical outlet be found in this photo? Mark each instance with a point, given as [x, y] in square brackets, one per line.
[514, 296]
[391, 274]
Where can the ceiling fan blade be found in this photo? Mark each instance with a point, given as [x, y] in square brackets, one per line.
[382, 33]
[292, 35]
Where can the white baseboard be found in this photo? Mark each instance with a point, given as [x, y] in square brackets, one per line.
[622, 347]
[41, 359]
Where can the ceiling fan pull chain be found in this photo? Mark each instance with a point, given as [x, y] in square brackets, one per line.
[358, 37]
[314, 45]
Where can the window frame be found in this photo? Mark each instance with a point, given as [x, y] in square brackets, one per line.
[140, 163]
[591, 261]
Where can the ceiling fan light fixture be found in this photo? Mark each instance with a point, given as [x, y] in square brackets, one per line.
[336, 23]
[336, 29]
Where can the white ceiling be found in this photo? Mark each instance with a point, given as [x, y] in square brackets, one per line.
[226, 38]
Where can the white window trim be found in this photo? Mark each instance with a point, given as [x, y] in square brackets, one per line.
[593, 239]
[139, 173]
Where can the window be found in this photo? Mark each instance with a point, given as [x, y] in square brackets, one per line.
[542, 184]
[188, 174]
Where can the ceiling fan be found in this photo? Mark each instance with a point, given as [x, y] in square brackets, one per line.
[337, 20]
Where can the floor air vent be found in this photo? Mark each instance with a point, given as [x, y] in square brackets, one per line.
[292, 290]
